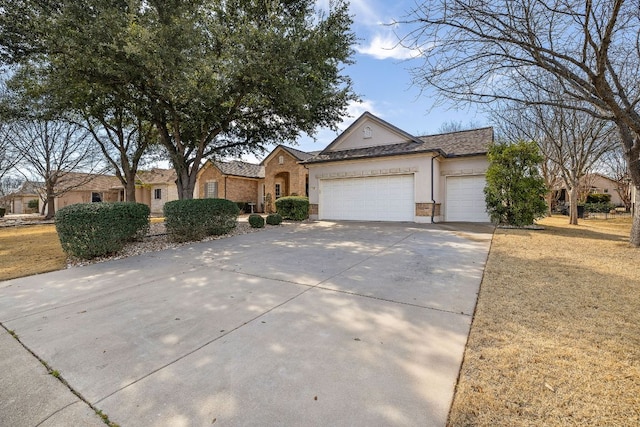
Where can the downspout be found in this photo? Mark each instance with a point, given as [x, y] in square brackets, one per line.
[225, 186]
[433, 201]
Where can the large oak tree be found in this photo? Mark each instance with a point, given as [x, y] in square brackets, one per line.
[480, 51]
[214, 78]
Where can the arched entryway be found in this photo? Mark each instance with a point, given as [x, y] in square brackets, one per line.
[281, 185]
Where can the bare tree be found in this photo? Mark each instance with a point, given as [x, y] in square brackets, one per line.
[51, 149]
[9, 157]
[615, 167]
[571, 140]
[457, 126]
[481, 51]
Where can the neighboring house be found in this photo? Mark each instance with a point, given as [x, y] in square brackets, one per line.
[596, 183]
[18, 201]
[78, 187]
[283, 173]
[156, 187]
[375, 171]
[593, 183]
[235, 180]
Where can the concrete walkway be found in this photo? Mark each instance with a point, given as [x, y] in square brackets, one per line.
[310, 324]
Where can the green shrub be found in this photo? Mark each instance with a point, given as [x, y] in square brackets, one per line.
[597, 198]
[194, 219]
[256, 221]
[274, 219]
[295, 208]
[89, 230]
[599, 207]
[32, 204]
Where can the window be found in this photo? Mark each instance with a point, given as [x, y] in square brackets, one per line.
[157, 193]
[211, 190]
[96, 197]
[277, 190]
[281, 160]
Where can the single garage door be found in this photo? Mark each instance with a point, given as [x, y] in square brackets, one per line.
[376, 198]
[465, 199]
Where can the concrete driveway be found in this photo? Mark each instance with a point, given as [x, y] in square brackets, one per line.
[310, 324]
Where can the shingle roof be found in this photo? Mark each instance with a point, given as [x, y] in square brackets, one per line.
[88, 182]
[238, 168]
[29, 188]
[157, 176]
[461, 143]
[299, 154]
[456, 144]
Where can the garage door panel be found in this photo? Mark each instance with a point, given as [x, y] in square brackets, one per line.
[465, 199]
[380, 198]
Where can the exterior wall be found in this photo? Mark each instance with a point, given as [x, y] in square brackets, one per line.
[603, 185]
[368, 134]
[169, 192]
[234, 188]
[20, 204]
[240, 189]
[418, 165]
[84, 196]
[210, 173]
[297, 178]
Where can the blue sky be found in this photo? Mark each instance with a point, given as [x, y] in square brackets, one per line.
[382, 79]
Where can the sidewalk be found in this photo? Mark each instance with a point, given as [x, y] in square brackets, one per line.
[29, 396]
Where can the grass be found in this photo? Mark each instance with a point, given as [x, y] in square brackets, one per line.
[29, 250]
[555, 339]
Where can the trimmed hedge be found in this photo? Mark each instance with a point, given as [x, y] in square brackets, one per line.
[195, 219]
[295, 208]
[274, 219]
[598, 198]
[89, 230]
[256, 221]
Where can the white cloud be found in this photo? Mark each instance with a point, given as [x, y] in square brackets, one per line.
[387, 46]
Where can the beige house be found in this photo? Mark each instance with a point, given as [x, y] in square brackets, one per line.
[283, 173]
[374, 171]
[18, 201]
[235, 180]
[155, 187]
[78, 187]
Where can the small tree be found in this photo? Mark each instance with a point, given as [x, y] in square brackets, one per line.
[515, 189]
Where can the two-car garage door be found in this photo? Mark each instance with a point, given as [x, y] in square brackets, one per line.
[375, 198]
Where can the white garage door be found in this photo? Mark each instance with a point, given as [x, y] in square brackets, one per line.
[377, 198]
[465, 199]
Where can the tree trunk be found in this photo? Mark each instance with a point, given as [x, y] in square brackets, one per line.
[634, 238]
[51, 206]
[573, 205]
[130, 186]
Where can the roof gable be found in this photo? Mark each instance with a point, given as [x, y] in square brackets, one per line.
[298, 155]
[369, 131]
[395, 142]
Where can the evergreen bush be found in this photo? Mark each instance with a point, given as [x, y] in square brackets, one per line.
[256, 221]
[295, 208]
[195, 219]
[89, 230]
[274, 219]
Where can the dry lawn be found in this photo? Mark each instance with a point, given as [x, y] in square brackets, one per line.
[29, 250]
[556, 335]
